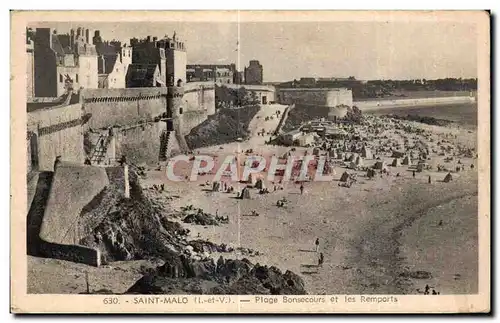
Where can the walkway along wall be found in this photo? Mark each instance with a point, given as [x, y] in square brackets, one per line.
[123, 107]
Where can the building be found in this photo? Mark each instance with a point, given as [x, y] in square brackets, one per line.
[168, 53]
[63, 62]
[113, 62]
[30, 66]
[254, 73]
[218, 73]
[143, 75]
[239, 78]
[290, 138]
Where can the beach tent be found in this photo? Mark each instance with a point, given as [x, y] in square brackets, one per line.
[370, 173]
[216, 187]
[366, 153]
[252, 179]
[397, 154]
[407, 160]
[245, 194]
[359, 161]
[396, 162]
[260, 184]
[447, 178]
[379, 165]
[345, 177]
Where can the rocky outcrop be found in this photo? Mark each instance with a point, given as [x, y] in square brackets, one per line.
[232, 276]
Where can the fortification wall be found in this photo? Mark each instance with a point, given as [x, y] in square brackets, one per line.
[74, 253]
[109, 107]
[199, 96]
[380, 104]
[320, 97]
[73, 187]
[58, 132]
[140, 143]
[191, 119]
[339, 97]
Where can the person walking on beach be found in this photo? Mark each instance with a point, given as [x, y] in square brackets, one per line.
[430, 181]
[321, 259]
[413, 174]
[301, 189]
[317, 244]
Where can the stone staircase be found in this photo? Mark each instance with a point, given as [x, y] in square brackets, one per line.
[99, 155]
[165, 139]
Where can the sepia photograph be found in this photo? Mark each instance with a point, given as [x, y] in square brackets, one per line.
[247, 153]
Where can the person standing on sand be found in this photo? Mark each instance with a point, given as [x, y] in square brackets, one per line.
[430, 181]
[301, 188]
[320, 260]
[413, 174]
[317, 244]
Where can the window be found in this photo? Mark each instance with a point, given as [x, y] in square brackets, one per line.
[60, 78]
[76, 78]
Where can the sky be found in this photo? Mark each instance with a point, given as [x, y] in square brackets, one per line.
[291, 50]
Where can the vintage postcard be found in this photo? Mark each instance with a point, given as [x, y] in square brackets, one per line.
[250, 162]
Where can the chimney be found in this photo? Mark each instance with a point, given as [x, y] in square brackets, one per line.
[72, 38]
[43, 37]
[101, 65]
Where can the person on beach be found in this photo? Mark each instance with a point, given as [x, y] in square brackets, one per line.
[301, 189]
[430, 180]
[413, 174]
[321, 259]
[317, 244]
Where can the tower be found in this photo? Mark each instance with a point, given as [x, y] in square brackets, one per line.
[176, 61]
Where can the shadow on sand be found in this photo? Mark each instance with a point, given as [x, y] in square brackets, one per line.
[309, 272]
[308, 266]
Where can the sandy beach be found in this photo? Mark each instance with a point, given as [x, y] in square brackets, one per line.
[369, 234]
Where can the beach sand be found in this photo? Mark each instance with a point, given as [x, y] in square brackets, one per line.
[369, 234]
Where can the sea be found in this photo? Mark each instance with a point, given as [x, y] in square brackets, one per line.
[462, 114]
